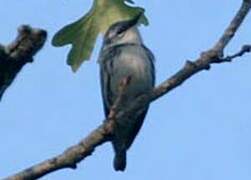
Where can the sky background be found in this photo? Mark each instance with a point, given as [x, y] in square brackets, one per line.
[199, 131]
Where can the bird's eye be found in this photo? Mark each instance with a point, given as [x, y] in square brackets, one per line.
[121, 34]
[121, 31]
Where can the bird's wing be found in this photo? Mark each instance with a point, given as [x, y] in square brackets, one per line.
[152, 61]
[106, 68]
[140, 118]
[104, 80]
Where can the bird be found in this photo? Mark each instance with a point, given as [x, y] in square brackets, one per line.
[123, 54]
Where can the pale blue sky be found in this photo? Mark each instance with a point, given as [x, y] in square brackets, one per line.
[199, 131]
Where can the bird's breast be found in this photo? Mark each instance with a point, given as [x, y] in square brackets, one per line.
[134, 62]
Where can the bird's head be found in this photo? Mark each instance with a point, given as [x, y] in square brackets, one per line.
[123, 32]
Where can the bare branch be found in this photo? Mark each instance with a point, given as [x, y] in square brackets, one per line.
[20, 52]
[76, 153]
[245, 49]
[84, 148]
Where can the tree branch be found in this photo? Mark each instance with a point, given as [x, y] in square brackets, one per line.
[84, 148]
[244, 49]
[20, 52]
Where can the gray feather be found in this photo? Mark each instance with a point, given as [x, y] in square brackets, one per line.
[121, 58]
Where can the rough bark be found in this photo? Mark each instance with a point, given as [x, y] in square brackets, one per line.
[17, 54]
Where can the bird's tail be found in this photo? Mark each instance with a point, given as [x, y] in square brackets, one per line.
[119, 162]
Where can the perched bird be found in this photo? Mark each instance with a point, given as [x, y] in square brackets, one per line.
[123, 55]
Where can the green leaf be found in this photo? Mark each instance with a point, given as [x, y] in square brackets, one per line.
[83, 33]
[130, 1]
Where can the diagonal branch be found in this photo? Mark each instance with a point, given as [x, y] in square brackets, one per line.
[84, 148]
[20, 52]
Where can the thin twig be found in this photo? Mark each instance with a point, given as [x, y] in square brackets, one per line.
[245, 49]
[118, 104]
[121, 95]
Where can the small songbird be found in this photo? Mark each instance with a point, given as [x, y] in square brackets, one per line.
[123, 55]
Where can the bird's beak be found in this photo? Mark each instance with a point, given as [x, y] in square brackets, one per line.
[134, 21]
[130, 23]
